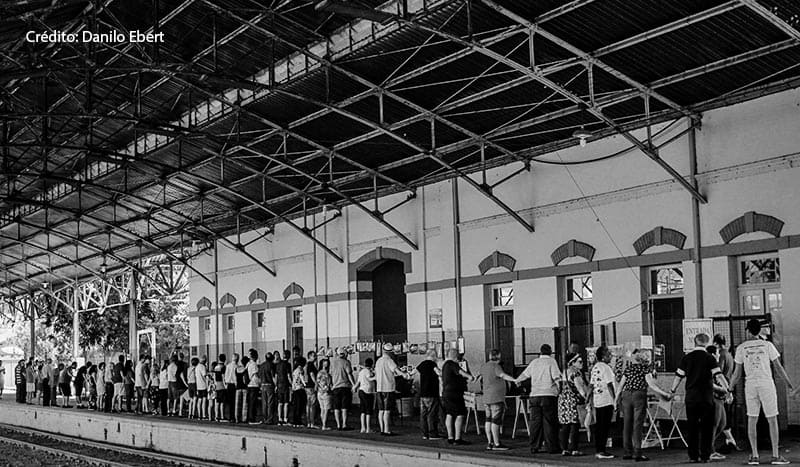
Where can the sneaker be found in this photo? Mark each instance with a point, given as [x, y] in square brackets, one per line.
[500, 447]
[641, 459]
[753, 460]
[780, 460]
[435, 438]
[715, 456]
[253, 423]
[566, 453]
[425, 438]
[604, 455]
[576, 453]
[490, 447]
[451, 441]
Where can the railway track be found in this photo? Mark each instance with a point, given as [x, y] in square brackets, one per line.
[91, 452]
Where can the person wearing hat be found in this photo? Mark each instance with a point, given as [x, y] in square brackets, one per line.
[756, 357]
[385, 371]
[342, 380]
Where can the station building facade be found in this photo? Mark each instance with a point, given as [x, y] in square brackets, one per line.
[613, 255]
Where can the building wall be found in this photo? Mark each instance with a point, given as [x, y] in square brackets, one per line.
[747, 161]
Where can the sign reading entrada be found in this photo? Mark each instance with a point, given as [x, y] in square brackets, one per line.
[87, 37]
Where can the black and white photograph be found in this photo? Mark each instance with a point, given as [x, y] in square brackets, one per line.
[399, 233]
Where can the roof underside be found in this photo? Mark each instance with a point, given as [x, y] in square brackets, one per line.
[254, 112]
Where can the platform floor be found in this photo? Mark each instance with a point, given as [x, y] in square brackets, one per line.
[407, 441]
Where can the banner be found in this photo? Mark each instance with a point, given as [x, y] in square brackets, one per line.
[693, 327]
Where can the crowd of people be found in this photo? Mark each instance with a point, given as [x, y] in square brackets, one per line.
[286, 388]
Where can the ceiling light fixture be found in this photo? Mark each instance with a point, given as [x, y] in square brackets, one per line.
[582, 134]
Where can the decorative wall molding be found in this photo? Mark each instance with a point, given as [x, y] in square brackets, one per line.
[378, 254]
[571, 249]
[751, 222]
[497, 260]
[659, 236]
[227, 299]
[293, 288]
[257, 294]
[204, 303]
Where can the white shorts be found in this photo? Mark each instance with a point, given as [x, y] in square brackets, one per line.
[761, 395]
[119, 389]
[31, 387]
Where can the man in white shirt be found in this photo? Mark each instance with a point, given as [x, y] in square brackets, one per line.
[755, 357]
[230, 384]
[253, 387]
[201, 378]
[385, 371]
[544, 375]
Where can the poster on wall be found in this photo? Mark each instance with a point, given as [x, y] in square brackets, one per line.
[435, 318]
[693, 327]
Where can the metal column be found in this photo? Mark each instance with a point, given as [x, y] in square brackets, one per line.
[696, 258]
[216, 297]
[33, 326]
[76, 346]
[133, 338]
[457, 254]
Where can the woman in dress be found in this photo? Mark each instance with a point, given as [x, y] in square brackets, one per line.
[91, 385]
[80, 385]
[100, 383]
[128, 377]
[324, 391]
[573, 394]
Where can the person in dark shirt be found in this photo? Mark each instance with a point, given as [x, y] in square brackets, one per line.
[283, 383]
[117, 373]
[311, 388]
[266, 372]
[700, 370]
[19, 381]
[454, 384]
[429, 401]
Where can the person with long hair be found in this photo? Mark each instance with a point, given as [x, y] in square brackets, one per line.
[324, 396]
[128, 381]
[602, 390]
[163, 389]
[100, 384]
[80, 382]
[573, 394]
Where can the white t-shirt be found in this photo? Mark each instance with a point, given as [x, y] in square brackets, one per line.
[139, 374]
[756, 355]
[384, 374]
[172, 373]
[163, 380]
[364, 382]
[200, 372]
[601, 376]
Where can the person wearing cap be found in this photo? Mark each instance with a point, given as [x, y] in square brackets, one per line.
[753, 358]
[342, 379]
[385, 371]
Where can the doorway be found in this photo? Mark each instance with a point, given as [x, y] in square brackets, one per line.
[390, 317]
[296, 328]
[667, 322]
[580, 325]
[503, 330]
